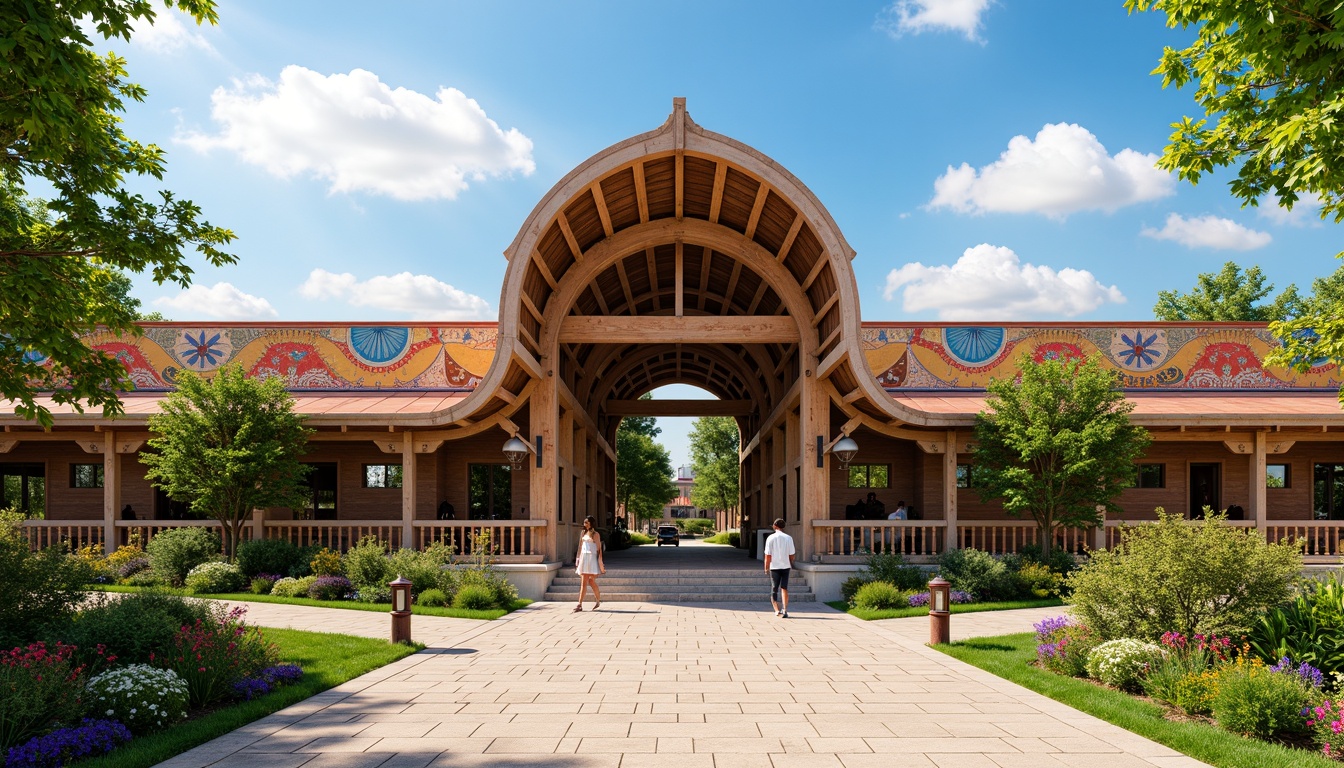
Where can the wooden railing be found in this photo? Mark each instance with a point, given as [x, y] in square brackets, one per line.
[143, 531]
[1113, 528]
[1009, 537]
[910, 538]
[339, 535]
[1320, 538]
[67, 533]
[512, 541]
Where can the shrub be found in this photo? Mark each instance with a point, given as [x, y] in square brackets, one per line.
[261, 585]
[475, 597]
[977, 572]
[131, 567]
[213, 654]
[174, 552]
[119, 558]
[1063, 646]
[133, 627]
[850, 587]
[881, 596]
[1254, 701]
[66, 745]
[39, 591]
[145, 579]
[1325, 720]
[258, 556]
[1039, 581]
[291, 587]
[325, 563]
[433, 598]
[696, 526]
[1185, 674]
[372, 595]
[215, 578]
[1122, 663]
[91, 557]
[955, 597]
[139, 696]
[423, 569]
[1060, 560]
[303, 557]
[502, 590]
[329, 588]
[1309, 629]
[1192, 578]
[891, 568]
[38, 686]
[366, 563]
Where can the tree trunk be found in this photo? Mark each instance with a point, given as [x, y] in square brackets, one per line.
[1046, 532]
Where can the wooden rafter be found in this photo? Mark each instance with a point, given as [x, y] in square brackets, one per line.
[531, 307]
[544, 270]
[756, 300]
[584, 329]
[755, 219]
[703, 288]
[625, 286]
[652, 266]
[597, 296]
[821, 313]
[563, 221]
[815, 273]
[601, 201]
[716, 200]
[641, 194]
[680, 191]
[787, 245]
[679, 302]
[732, 286]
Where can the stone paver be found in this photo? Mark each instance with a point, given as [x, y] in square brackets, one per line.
[680, 685]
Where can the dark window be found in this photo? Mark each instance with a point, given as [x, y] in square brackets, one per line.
[1152, 476]
[86, 475]
[321, 493]
[24, 488]
[382, 475]
[1278, 476]
[965, 476]
[1328, 491]
[490, 492]
[869, 475]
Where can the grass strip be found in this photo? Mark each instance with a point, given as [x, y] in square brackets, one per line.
[1009, 657]
[349, 605]
[869, 614]
[327, 660]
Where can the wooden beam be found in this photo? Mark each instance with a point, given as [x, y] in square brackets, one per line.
[641, 194]
[680, 407]
[821, 313]
[574, 249]
[651, 264]
[732, 286]
[528, 362]
[597, 296]
[787, 245]
[680, 185]
[681, 282]
[830, 337]
[703, 288]
[832, 361]
[716, 199]
[586, 329]
[625, 286]
[756, 208]
[816, 271]
[756, 300]
[601, 201]
[531, 306]
[544, 270]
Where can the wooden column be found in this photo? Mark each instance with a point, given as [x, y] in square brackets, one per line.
[1259, 469]
[543, 422]
[407, 489]
[111, 491]
[258, 524]
[950, 489]
[814, 494]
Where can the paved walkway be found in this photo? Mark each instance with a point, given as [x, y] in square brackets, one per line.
[683, 685]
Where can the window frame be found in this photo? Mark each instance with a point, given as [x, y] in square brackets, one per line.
[1162, 478]
[868, 476]
[1287, 476]
[99, 477]
[966, 478]
[387, 476]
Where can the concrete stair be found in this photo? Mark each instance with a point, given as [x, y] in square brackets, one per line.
[679, 586]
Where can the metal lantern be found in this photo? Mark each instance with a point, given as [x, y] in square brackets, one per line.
[401, 609]
[516, 451]
[844, 450]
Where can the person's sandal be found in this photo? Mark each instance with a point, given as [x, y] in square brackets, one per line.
[578, 608]
[596, 606]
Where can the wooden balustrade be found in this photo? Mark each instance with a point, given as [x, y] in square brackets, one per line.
[1009, 537]
[338, 535]
[909, 538]
[1113, 528]
[1320, 539]
[66, 533]
[141, 532]
[512, 541]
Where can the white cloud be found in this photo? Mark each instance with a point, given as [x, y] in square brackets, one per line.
[1307, 210]
[1209, 232]
[361, 135]
[1062, 171]
[420, 296]
[990, 282]
[168, 34]
[220, 301]
[916, 16]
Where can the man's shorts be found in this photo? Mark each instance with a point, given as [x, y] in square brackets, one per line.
[779, 579]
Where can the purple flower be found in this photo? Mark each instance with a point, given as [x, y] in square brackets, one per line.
[1047, 627]
[1309, 674]
[251, 688]
[65, 745]
[330, 588]
[282, 674]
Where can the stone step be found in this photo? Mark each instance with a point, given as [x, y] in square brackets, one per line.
[686, 589]
[610, 596]
[744, 581]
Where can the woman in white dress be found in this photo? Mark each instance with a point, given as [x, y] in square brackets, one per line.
[589, 563]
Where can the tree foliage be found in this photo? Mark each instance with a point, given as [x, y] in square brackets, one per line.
[1316, 336]
[1057, 444]
[715, 444]
[228, 445]
[1229, 295]
[1270, 79]
[643, 468]
[60, 105]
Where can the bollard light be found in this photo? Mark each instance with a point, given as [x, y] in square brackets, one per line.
[940, 593]
[401, 609]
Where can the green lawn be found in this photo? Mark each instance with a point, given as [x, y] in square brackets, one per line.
[1008, 657]
[327, 660]
[350, 605]
[901, 613]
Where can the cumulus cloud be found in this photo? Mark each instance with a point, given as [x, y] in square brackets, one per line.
[168, 34]
[1307, 210]
[1061, 171]
[1209, 232]
[359, 134]
[916, 16]
[420, 296]
[221, 301]
[990, 282]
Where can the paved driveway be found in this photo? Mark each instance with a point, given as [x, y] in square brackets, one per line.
[684, 686]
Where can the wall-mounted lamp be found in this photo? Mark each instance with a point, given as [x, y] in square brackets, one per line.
[843, 448]
[516, 449]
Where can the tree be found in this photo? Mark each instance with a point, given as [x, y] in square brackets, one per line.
[715, 444]
[120, 290]
[1056, 445]
[643, 467]
[1270, 77]
[1228, 294]
[1316, 336]
[59, 122]
[228, 445]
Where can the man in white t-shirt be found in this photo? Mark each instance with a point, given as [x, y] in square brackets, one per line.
[779, 554]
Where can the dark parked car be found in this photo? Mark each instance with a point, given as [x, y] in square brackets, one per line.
[668, 534]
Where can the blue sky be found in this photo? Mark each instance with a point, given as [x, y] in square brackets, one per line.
[988, 159]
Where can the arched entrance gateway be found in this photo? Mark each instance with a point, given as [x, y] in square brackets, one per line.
[683, 256]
